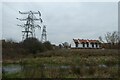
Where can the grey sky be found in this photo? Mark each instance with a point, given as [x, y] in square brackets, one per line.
[64, 21]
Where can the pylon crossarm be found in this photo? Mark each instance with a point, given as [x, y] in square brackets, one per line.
[22, 19]
[27, 31]
[24, 12]
[36, 19]
[39, 13]
[20, 25]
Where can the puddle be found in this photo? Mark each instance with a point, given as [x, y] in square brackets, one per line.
[17, 68]
[12, 68]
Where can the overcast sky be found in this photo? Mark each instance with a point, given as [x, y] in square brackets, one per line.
[65, 21]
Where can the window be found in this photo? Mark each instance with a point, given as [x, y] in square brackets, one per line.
[76, 44]
[83, 44]
[87, 44]
[96, 45]
[92, 45]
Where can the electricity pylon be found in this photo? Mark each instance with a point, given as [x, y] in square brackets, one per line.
[44, 35]
[29, 25]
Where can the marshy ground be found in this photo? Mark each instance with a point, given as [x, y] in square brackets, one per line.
[64, 63]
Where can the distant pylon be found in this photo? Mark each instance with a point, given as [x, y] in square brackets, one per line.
[44, 34]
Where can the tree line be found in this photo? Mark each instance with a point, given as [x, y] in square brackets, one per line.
[29, 45]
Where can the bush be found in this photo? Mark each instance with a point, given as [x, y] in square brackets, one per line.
[29, 45]
[48, 45]
[33, 45]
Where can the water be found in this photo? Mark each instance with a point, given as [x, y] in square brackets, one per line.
[12, 68]
[17, 68]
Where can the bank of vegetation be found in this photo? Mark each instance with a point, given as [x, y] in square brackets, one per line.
[67, 63]
[30, 46]
[44, 60]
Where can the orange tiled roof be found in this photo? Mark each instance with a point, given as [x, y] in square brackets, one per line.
[93, 41]
[82, 40]
[85, 40]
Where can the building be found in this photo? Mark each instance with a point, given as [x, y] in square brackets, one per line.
[85, 43]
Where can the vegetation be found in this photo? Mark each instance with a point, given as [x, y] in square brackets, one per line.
[11, 49]
[111, 40]
[68, 63]
[110, 37]
[44, 60]
[32, 45]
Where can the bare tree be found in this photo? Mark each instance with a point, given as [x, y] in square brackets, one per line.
[110, 37]
[101, 39]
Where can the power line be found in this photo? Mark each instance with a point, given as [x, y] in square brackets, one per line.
[29, 25]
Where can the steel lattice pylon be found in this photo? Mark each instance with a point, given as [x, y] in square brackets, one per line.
[44, 34]
[29, 26]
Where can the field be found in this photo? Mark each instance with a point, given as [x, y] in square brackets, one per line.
[66, 63]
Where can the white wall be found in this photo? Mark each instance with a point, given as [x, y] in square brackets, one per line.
[72, 44]
[90, 46]
[81, 45]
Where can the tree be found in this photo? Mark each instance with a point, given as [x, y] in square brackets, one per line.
[110, 37]
[101, 39]
[111, 40]
[32, 45]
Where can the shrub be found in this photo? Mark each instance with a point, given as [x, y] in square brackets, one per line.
[48, 45]
[33, 45]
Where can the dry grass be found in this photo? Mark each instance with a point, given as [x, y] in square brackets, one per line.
[88, 60]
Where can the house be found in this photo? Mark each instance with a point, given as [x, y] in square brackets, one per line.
[85, 43]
